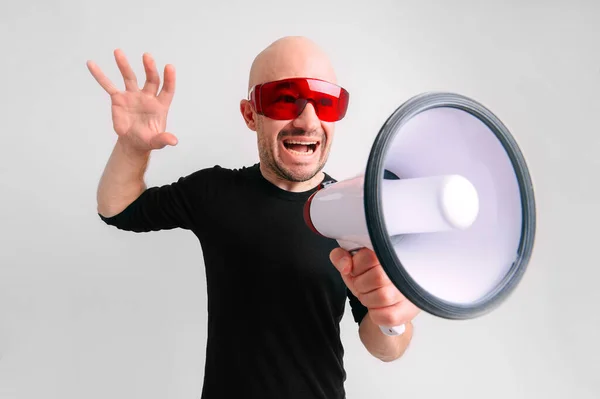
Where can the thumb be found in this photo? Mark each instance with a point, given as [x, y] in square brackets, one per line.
[162, 140]
[342, 260]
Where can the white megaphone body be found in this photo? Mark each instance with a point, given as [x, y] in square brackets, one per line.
[446, 203]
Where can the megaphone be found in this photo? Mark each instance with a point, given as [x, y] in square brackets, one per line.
[446, 203]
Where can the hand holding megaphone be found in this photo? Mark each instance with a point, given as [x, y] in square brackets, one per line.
[369, 283]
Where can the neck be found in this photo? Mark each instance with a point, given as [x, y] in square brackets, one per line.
[288, 185]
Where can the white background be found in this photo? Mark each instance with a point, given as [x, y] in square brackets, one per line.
[87, 311]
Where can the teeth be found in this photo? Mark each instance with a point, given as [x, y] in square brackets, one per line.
[310, 151]
[302, 142]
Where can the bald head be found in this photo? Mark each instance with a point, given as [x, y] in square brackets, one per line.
[291, 56]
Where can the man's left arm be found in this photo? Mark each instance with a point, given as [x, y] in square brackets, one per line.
[368, 282]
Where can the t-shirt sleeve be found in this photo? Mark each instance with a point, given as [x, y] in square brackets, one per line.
[358, 309]
[180, 204]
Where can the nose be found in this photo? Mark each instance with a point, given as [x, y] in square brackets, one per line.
[308, 119]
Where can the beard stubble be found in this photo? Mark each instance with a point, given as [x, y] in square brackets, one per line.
[267, 156]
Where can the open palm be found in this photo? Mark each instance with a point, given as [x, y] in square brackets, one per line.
[140, 115]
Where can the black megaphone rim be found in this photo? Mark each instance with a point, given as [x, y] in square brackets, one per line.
[375, 221]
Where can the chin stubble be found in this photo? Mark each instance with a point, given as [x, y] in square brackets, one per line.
[267, 156]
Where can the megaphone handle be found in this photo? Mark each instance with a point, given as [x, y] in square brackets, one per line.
[350, 246]
[353, 248]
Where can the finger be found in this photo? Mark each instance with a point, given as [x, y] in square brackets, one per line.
[385, 296]
[394, 315]
[162, 140]
[152, 77]
[128, 75]
[168, 90]
[101, 78]
[350, 285]
[363, 261]
[371, 280]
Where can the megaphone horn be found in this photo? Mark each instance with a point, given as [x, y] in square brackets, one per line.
[446, 202]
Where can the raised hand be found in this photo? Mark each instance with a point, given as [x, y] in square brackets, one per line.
[140, 115]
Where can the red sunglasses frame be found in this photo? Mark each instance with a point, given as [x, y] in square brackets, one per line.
[341, 94]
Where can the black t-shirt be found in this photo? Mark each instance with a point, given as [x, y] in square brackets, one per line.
[275, 301]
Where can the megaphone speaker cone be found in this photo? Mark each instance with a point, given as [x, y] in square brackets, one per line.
[446, 202]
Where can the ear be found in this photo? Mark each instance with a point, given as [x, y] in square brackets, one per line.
[248, 114]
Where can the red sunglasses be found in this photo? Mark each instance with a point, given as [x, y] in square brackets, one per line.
[286, 99]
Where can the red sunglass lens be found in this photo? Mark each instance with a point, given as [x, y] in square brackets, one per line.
[329, 108]
[283, 108]
[287, 99]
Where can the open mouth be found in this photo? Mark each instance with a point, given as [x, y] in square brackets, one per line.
[301, 147]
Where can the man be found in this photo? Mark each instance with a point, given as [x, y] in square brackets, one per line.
[274, 299]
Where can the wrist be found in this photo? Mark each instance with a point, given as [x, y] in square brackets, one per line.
[131, 151]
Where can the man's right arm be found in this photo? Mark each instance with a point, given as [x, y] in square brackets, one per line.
[122, 181]
[139, 117]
